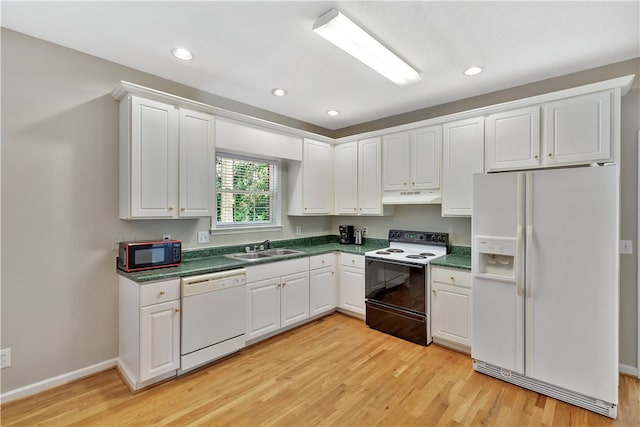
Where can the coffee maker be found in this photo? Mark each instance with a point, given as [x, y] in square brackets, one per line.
[346, 234]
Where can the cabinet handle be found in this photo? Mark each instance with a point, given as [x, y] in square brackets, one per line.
[183, 209]
[453, 279]
[535, 157]
[284, 284]
[161, 292]
[356, 209]
[306, 209]
[405, 183]
[549, 155]
[353, 261]
[170, 208]
[178, 310]
[433, 291]
[323, 261]
[413, 183]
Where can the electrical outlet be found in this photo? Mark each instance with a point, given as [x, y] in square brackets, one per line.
[166, 237]
[203, 237]
[5, 358]
[626, 247]
[364, 229]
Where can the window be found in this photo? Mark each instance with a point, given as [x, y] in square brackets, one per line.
[246, 191]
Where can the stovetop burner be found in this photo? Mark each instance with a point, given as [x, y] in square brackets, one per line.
[412, 247]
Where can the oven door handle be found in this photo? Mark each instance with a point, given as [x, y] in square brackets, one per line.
[404, 264]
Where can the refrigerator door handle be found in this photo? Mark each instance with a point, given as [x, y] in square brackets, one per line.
[528, 302]
[519, 258]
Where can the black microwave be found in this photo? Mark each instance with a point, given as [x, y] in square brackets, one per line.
[137, 256]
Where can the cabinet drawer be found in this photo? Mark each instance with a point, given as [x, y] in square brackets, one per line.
[451, 276]
[319, 261]
[154, 293]
[352, 260]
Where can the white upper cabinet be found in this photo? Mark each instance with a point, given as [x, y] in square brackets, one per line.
[463, 156]
[574, 131]
[197, 164]
[166, 161]
[512, 139]
[396, 160]
[346, 178]
[148, 159]
[358, 178]
[311, 181]
[426, 149]
[410, 163]
[370, 177]
[578, 130]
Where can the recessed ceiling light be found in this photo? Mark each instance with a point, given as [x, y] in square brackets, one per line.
[182, 53]
[472, 71]
[278, 92]
[333, 113]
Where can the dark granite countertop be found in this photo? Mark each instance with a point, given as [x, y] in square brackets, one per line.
[460, 258]
[211, 260]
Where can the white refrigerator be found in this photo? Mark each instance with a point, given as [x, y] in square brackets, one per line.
[545, 269]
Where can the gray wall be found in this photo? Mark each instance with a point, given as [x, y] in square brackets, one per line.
[59, 208]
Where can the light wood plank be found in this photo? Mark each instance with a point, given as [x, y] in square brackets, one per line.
[330, 372]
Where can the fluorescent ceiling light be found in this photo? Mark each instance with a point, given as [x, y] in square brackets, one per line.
[342, 32]
[182, 53]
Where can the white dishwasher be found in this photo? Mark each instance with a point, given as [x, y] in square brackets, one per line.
[213, 317]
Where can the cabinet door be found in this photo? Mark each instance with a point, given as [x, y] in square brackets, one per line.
[322, 290]
[426, 148]
[352, 289]
[395, 161]
[317, 181]
[159, 339]
[197, 164]
[451, 313]
[578, 130]
[370, 176]
[346, 178]
[294, 298]
[154, 159]
[263, 307]
[463, 157]
[512, 139]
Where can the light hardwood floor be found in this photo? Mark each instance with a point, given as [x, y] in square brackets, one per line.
[331, 372]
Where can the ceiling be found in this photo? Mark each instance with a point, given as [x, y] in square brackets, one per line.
[245, 49]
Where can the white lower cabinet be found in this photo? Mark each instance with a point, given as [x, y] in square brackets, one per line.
[351, 284]
[276, 299]
[322, 284]
[149, 331]
[451, 307]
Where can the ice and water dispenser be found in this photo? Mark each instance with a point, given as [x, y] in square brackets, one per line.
[496, 258]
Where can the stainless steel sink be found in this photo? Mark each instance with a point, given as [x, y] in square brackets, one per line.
[280, 251]
[268, 253]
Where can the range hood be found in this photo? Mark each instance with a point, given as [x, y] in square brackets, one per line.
[415, 197]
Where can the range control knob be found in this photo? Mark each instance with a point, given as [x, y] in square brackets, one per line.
[441, 238]
[421, 237]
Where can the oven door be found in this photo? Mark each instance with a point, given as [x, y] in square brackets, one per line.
[396, 284]
[397, 300]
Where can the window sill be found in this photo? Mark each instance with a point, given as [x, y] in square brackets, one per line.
[242, 230]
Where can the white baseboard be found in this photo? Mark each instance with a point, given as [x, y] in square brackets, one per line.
[629, 370]
[56, 381]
